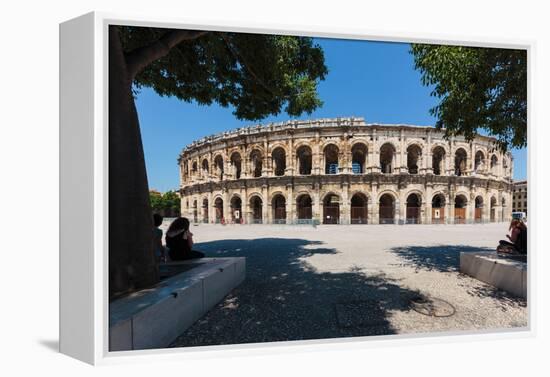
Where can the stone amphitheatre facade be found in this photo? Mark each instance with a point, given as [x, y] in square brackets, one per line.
[344, 171]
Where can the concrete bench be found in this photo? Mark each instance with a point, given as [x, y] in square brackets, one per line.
[501, 272]
[154, 317]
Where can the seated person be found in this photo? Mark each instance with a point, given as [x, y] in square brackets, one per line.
[179, 240]
[157, 238]
[517, 237]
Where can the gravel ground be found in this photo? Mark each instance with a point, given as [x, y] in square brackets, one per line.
[341, 281]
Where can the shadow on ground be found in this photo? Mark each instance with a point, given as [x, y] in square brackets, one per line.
[442, 258]
[283, 298]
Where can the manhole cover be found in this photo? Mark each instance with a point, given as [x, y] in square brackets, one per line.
[433, 307]
[359, 314]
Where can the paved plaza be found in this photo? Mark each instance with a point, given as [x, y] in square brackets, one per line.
[340, 281]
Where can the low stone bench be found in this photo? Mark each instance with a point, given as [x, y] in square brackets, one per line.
[154, 317]
[501, 272]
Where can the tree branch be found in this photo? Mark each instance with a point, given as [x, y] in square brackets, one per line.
[139, 58]
[245, 64]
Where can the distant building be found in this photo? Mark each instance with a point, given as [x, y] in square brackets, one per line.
[519, 197]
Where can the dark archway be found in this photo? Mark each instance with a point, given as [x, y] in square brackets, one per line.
[278, 205]
[438, 160]
[236, 163]
[331, 159]
[387, 153]
[331, 209]
[438, 209]
[218, 163]
[414, 158]
[195, 212]
[256, 205]
[303, 160]
[413, 209]
[460, 209]
[359, 209]
[358, 158]
[279, 161]
[460, 162]
[236, 210]
[478, 211]
[479, 161]
[256, 163]
[386, 209]
[218, 204]
[303, 207]
[205, 211]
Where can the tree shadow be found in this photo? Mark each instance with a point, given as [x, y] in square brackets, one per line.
[442, 258]
[504, 300]
[284, 298]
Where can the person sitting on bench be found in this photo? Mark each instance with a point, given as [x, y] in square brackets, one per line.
[517, 237]
[179, 240]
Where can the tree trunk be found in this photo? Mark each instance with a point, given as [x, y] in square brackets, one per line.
[132, 262]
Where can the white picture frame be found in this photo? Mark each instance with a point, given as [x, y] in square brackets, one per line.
[84, 184]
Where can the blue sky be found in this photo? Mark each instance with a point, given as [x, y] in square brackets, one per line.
[374, 80]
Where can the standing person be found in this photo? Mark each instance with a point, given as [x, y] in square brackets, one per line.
[160, 253]
[179, 240]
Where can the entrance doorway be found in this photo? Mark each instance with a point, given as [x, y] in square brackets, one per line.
[386, 209]
[331, 209]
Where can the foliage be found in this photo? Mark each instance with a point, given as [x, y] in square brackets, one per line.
[169, 202]
[479, 89]
[257, 74]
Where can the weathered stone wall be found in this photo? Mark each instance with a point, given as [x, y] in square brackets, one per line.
[344, 157]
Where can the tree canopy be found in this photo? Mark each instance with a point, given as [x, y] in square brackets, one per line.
[479, 89]
[258, 74]
[165, 204]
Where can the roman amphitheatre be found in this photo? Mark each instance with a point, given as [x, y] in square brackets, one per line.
[344, 171]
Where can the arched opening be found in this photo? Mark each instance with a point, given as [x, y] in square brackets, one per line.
[460, 162]
[205, 211]
[279, 161]
[414, 158]
[303, 160]
[387, 152]
[358, 158]
[256, 208]
[438, 160]
[359, 209]
[218, 163]
[218, 204]
[185, 171]
[413, 209]
[205, 170]
[460, 209]
[493, 209]
[236, 163]
[195, 212]
[331, 159]
[303, 205]
[478, 211]
[494, 165]
[256, 163]
[479, 161]
[438, 209]
[331, 209]
[194, 168]
[386, 209]
[236, 210]
[278, 204]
